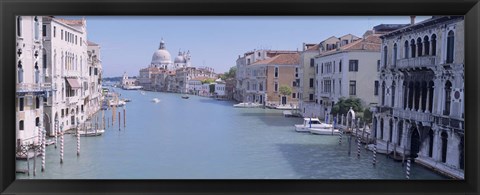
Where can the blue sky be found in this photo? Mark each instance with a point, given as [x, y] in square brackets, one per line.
[128, 42]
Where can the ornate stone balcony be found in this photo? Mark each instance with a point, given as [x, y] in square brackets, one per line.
[417, 62]
[413, 115]
[450, 122]
[72, 100]
[33, 88]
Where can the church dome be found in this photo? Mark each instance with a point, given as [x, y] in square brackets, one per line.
[180, 59]
[161, 56]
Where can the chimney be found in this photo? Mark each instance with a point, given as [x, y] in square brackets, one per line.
[412, 20]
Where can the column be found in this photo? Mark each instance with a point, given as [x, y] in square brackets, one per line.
[420, 98]
[413, 97]
[427, 107]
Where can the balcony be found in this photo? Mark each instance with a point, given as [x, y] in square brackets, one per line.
[33, 88]
[384, 109]
[413, 115]
[417, 62]
[451, 123]
[72, 100]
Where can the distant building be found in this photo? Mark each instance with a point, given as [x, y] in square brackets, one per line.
[128, 83]
[243, 70]
[267, 76]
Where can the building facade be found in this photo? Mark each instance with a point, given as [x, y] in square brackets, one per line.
[421, 106]
[94, 97]
[31, 89]
[266, 77]
[345, 70]
[244, 71]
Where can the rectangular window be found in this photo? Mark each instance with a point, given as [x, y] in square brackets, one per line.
[54, 31]
[44, 30]
[340, 84]
[311, 82]
[375, 92]
[316, 69]
[61, 34]
[322, 69]
[340, 66]
[276, 72]
[21, 104]
[96, 71]
[293, 84]
[310, 97]
[312, 61]
[378, 65]
[353, 66]
[80, 41]
[76, 40]
[276, 87]
[294, 95]
[353, 87]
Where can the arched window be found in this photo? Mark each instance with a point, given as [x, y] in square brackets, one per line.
[394, 55]
[412, 45]
[385, 52]
[21, 126]
[426, 45]
[20, 72]
[448, 91]
[444, 146]
[37, 121]
[434, 44]
[37, 73]
[393, 94]
[406, 49]
[419, 46]
[37, 28]
[383, 93]
[450, 46]
[19, 26]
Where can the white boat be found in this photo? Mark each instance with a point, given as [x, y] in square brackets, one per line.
[247, 105]
[155, 100]
[118, 103]
[91, 132]
[324, 131]
[309, 123]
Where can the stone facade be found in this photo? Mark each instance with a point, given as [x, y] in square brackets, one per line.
[421, 101]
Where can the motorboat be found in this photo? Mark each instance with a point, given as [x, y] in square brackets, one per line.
[309, 123]
[118, 103]
[91, 132]
[247, 105]
[127, 100]
[185, 97]
[324, 131]
[155, 100]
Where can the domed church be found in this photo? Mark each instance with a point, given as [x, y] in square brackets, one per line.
[162, 59]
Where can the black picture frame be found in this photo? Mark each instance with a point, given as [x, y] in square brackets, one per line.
[10, 8]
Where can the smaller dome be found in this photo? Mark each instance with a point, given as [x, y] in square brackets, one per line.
[180, 59]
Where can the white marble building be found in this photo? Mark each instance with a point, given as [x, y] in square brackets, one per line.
[31, 89]
[421, 102]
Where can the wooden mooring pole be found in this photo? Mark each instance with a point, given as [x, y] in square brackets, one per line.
[119, 121]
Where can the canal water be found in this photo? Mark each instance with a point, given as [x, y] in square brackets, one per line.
[203, 138]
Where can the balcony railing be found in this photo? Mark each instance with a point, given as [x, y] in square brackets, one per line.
[34, 87]
[413, 115]
[450, 122]
[417, 62]
[384, 109]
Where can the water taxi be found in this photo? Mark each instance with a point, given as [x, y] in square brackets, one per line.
[247, 105]
[91, 132]
[312, 123]
[155, 100]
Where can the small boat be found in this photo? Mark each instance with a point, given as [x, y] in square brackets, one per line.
[247, 105]
[309, 123]
[185, 97]
[155, 100]
[142, 92]
[127, 100]
[118, 103]
[91, 132]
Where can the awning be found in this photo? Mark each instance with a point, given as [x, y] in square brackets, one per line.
[73, 83]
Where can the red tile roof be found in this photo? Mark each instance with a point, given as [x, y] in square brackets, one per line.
[369, 43]
[281, 59]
